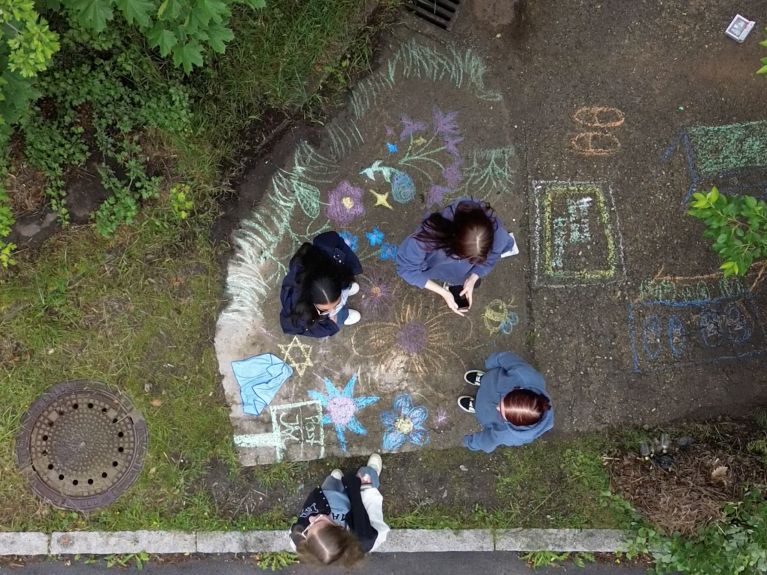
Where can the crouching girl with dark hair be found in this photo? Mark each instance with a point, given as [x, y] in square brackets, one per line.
[458, 246]
[511, 403]
[314, 292]
[343, 519]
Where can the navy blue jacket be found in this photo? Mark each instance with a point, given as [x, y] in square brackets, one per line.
[335, 248]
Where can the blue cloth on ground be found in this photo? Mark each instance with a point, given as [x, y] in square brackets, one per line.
[260, 378]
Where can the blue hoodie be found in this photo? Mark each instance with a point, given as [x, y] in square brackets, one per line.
[505, 372]
[416, 264]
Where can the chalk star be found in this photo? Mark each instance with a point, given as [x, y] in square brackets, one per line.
[382, 199]
[304, 350]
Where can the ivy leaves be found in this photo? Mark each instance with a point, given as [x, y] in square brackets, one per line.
[182, 29]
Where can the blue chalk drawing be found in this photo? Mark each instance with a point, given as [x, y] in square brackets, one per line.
[350, 239]
[388, 252]
[375, 237]
[404, 424]
[391, 148]
[341, 408]
[697, 331]
[733, 157]
[402, 185]
[676, 336]
[651, 333]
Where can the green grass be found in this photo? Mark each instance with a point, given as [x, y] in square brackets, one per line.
[278, 58]
[136, 312]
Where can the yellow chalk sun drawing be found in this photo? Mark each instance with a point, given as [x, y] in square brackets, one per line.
[417, 339]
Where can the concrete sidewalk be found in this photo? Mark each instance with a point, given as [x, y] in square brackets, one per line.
[399, 541]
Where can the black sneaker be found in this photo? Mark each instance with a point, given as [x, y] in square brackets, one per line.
[473, 376]
[466, 403]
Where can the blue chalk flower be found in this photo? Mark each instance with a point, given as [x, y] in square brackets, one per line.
[391, 147]
[351, 240]
[388, 252]
[341, 408]
[404, 424]
[375, 237]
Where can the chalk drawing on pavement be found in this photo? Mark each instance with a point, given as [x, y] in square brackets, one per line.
[499, 317]
[732, 157]
[341, 408]
[463, 69]
[416, 340]
[376, 292]
[577, 235]
[687, 329]
[404, 424]
[490, 171]
[599, 139]
[295, 426]
[297, 355]
[441, 418]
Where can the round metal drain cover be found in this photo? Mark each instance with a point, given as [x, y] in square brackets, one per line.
[81, 445]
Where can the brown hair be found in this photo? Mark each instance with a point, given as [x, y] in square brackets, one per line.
[524, 407]
[328, 544]
[469, 236]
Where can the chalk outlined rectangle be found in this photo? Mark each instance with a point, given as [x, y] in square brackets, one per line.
[611, 268]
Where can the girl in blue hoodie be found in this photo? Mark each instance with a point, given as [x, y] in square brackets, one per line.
[511, 405]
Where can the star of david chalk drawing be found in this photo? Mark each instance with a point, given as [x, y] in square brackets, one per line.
[382, 199]
[295, 359]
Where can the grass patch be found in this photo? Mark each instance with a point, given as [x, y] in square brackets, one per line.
[276, 61]
[136, 312]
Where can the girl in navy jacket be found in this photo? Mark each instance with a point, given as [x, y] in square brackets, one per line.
[314, 292]
[458, 245]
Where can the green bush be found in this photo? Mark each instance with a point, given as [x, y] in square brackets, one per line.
[101, 107]
[737, 544]
[738, 226]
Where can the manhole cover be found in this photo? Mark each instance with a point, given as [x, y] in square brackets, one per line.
[81, 445]
[438, 12]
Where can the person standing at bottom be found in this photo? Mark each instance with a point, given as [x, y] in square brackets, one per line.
[343, 518]
[511, 404]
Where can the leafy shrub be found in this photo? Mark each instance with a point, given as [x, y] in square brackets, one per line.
[735, 545]
[180, 201]
[738, 226]
[6, 223]
[26, 49]
[100, 107]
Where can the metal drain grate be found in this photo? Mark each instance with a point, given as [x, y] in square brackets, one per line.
[81, 445]
[438, 12]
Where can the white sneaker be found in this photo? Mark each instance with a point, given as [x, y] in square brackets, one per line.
[514, 250]
[375, 462]
[337, 474]
[354, 288]
[354, 317]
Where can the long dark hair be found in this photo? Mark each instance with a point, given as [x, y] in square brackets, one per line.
[320, 280]
[468, 236]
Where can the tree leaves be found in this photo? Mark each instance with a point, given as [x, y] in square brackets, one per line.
[218, 37]
[92, 14]
[188, 55]
[136, 11]
[163, 39]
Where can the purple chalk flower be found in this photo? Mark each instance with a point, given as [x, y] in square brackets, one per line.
[410, 127]
[451, 146]
[345, 204]
[445, 124]
[452, 175]
[436, 195]
[376, 292]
